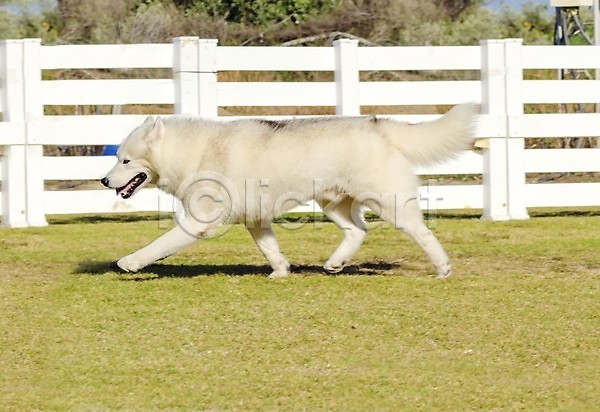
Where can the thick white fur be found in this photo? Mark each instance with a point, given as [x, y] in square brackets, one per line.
[250, 171]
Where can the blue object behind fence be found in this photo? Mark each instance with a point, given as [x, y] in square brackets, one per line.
[110, 150]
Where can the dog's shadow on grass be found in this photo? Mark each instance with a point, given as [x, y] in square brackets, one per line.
[158, 271]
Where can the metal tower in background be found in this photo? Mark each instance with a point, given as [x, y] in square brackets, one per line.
[567, 24]
[568, 27]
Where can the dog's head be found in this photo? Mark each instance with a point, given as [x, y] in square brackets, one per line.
[134, 166]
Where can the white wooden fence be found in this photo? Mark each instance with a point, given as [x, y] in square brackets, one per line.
[194, 89]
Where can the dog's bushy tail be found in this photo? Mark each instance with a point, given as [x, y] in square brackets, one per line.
[438, 140]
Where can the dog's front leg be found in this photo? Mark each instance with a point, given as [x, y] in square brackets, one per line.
[182, 235]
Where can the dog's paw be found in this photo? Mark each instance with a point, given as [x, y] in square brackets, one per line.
[276, 274]
[281, 269]
[129, 264]
[444, 271]
[333, 268]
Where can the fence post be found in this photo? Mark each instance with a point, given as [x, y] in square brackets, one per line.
[14, 197]
[34, 110]
[23, 182]
[515, 145]
[195, 75]
[493, 102]
[185, 75]
[207, 78]
[346, 77]
[14, 200]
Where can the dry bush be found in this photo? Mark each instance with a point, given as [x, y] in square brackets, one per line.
[132, 21]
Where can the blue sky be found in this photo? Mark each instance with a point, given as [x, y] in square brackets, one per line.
[515, 4]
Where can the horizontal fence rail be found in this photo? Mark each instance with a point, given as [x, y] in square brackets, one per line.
[189, 82]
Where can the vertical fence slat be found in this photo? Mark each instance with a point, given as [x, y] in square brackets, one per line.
[515, 146]
[185, 75]
[23, 184]
[493, 83]
[207, 78]
[195, 75]
[14, 199]
[346, 77]
[34, 153]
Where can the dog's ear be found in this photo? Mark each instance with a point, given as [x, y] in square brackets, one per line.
[156, 131]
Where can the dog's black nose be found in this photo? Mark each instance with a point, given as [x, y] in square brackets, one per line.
[104, 181]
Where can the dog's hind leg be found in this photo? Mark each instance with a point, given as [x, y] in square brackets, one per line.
[347, 215]
[267, 243]
[406, 216]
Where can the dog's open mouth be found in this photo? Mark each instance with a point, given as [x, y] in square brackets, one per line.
[127, 190]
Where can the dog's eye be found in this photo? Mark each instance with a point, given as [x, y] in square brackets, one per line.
[125, 161]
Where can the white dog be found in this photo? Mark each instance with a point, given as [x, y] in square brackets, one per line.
[250, 171]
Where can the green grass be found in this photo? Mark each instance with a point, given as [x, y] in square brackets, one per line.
[517, 327]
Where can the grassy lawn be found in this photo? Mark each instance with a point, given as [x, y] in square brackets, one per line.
[517, 327]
